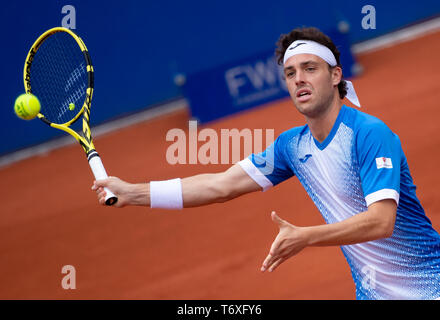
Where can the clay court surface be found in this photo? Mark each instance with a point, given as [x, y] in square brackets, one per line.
[50, 218]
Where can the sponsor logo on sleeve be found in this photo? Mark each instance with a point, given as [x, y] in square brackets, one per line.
[384, 163]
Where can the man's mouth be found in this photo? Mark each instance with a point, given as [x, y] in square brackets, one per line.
[303, 95]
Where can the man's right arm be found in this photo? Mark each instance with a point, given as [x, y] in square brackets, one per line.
[198, 190]
[205, 189]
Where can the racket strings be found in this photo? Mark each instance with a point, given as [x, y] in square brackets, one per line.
[58, 77]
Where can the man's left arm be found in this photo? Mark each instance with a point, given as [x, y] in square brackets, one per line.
[375, 223]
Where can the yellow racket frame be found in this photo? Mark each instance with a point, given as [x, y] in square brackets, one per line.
[86, 138]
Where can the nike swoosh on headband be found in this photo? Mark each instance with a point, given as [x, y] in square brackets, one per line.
[297, 45]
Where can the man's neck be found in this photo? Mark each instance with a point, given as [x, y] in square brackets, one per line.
[321, 125]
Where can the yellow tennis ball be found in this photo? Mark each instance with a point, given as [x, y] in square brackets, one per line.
[27, 106]
[71, 106]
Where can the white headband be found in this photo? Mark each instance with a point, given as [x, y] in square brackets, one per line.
[317, 49]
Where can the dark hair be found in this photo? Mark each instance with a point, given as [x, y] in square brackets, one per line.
[314, 34]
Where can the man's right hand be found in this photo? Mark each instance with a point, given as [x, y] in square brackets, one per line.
[127, 193]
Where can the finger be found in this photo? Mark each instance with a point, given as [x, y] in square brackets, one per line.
[268, 261]
[101, 200]
[102, 194]
[276, 219]
[275, 249]
[276, 264]
[99, 190]
[100, 183]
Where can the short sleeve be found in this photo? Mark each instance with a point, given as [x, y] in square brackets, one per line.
[379, 155]
[269, 167]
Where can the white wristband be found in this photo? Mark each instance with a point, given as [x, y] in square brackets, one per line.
[166, 194]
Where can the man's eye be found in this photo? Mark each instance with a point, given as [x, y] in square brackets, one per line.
[310, 69]
[290, 74]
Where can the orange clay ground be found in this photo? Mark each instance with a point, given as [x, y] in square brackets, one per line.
[50, 217]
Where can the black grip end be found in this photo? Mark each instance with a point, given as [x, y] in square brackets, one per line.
[111, 201]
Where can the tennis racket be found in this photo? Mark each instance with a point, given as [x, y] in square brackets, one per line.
[58, 70]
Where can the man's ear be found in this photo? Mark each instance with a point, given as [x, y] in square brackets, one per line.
[336, 73]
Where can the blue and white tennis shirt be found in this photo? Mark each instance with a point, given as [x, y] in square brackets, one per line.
[361, 162]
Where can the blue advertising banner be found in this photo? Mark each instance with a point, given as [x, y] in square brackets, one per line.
[231, 88]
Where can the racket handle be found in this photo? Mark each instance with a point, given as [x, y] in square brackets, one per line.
[100, 174]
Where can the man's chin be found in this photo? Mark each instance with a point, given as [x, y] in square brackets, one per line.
[304, 107]
[309, 109]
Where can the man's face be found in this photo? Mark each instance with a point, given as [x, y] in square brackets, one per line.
[310, 83]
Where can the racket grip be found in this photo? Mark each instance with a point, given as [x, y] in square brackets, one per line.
[100, 174]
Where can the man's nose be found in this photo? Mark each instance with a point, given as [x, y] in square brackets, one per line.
[299, 77]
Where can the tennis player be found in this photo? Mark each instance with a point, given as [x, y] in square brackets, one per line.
[351, 165]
